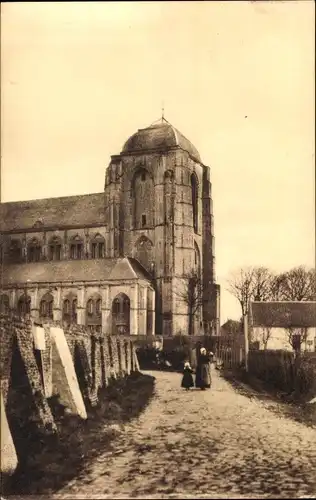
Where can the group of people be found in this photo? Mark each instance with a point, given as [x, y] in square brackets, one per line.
[202, 372]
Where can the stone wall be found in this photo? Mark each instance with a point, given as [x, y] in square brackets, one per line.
[29, 377]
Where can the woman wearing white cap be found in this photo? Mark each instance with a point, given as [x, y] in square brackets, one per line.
[203, 371]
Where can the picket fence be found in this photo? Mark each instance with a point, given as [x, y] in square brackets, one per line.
[229, 352]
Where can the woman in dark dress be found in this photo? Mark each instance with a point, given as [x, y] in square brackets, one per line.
[187, 379]
[203, 371]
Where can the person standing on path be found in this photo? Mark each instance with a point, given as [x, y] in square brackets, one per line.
[187, 379]
[203, 371]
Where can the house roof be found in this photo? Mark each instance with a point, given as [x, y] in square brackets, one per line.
[283, 314]
[66, 211]
[73, 270]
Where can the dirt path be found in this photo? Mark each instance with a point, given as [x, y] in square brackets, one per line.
[216, 444]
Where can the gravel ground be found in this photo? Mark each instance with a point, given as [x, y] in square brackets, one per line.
[216, 443]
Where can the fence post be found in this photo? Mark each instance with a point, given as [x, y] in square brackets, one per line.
[245, 322]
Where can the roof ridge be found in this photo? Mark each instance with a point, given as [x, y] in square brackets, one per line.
[51, 198]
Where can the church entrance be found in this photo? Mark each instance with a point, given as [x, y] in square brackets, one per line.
[121, 315]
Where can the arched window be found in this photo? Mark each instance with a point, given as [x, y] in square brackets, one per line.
[74, 310]
[116, 306]
[143, 252]
[98, 306]
[142, 192]
[121, 315]
[66, 306]
[76, 248]
[97, 246]
[46, 306]
[94, 313]
[70, 309]
[34, 251]
[197, 260]
[4, 304]
[54, 249]
[15, 251]
[195, 197]
[90, 307]
[24, 305]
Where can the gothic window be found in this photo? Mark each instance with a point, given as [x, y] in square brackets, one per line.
[143, 195]
[93, 311]
[4, 304]
[34, 251]
[24, 305]
[116, 306]
[66, 308]
[90, 307]
[97, 247]
[54, 249]
[70, 310]
[98, 306]
[121, 315]
[15, 251]
[76, 248]
[74, 310]
[197, 259]
[143, 252]
[126, 305]
[194, 191]
[46, 306]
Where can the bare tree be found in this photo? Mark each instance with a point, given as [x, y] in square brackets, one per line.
[297, 337]
[262, 283]
[191, 293]
[241, 285]
[266, 335]
[297, 284]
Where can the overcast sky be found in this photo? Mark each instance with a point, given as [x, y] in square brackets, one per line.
[237, 79]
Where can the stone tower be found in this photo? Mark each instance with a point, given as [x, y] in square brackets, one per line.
[159, 211]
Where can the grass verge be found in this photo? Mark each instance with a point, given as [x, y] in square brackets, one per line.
[51, 462]
[275, 400]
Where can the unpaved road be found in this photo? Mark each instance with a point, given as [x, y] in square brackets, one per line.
[212, 444]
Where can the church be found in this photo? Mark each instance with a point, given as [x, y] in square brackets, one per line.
[135, 259]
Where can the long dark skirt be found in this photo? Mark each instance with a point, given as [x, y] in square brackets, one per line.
[203, 376]
[187, 380]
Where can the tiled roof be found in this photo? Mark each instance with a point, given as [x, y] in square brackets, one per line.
[71, 270]
[53, 212]
[160, 136]
[283, 314]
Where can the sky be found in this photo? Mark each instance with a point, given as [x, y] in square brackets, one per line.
[236, 78]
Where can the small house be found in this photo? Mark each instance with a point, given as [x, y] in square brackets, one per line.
[289, 325]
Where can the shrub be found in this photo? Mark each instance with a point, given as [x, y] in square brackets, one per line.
[285, 371]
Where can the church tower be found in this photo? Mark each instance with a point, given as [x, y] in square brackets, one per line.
[159, 211]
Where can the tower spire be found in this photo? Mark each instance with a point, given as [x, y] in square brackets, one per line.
[162, 111]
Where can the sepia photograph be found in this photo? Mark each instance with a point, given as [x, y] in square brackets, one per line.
[158, 250]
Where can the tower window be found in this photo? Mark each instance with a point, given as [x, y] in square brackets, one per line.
[194, 192]
[143, 176]
[143, 220]
[97, 247]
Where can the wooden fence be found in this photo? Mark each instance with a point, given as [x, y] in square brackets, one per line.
[229, 351]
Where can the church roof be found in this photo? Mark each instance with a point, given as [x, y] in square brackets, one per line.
[74, 270]
[67, 211]
[160, 136]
